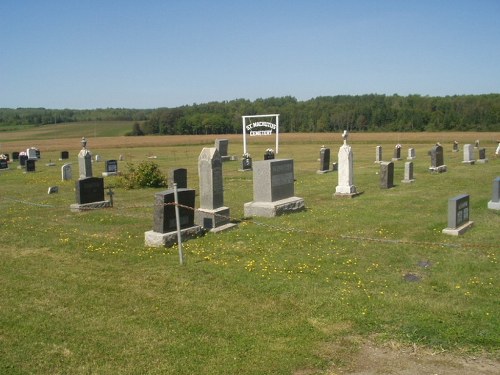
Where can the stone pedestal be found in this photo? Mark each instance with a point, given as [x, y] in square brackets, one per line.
[214, 220]
[346, 185]
[156, 239]
[276, 208]
[460, 230]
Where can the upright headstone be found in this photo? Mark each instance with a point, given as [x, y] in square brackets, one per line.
[386, 175]
[222, 146]
[411, 154]
[5, 156]
[324, 160]
[4, 164]
[98, 158]
[64, 155]
[31, 152]
[397, 153]
[437, 159]
[476, 144]
[246, 162]
[458, 215]
[269, 154]
[468, 154]
[482, 156]
[378, 154]
[22, 160]
[164, 231]
[178, 176]
[212, 214]
[408, 178]
[345, 187]
[84, 161]
[111, 168]
[273, 189]
[37, 153]
[30, 165]
[66, 173]
[494, 204]
[89, 190]
[455, 146]
[15, 156]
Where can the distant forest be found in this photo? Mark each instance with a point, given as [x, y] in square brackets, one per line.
[369, 113]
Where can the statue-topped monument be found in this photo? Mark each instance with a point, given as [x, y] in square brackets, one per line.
[84, 161]
[345, 187]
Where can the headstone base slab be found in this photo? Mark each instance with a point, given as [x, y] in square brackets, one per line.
[408, 181]
[482, 161]
[440, 169]
[223, 228]
[76, 207]
[410, 158]
[225, 158]
[210, 219]
[396, 159]
[323, 172]
[107, 174]
[494, 205]
[271, 209]
[156, 239]
[471, 162]
[50, 164]
[245, 170]
[460, 230]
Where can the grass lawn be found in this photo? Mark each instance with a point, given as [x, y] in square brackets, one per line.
[295, 294]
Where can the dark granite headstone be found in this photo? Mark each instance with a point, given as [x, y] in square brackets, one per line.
[30, 165]
[64, 155]
[386, 175]
[89, 190]
[458, 211]
[482, 153]
[324, 159]
[246, 164]
[111, 166]
[164, 220]
[22, 160]
[178, 176]
[4, 164]
[15, 156]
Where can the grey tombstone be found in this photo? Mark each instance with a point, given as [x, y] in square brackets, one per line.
[273, 189]
[411, 154]
[222, 146]
[458, 215]
[64, 155]
[455, 146]
[178, 176]
[164, 231]
[84, 161]
[4, 164]
[212, 214]
[98, 158]
[15, 156]
[397, 153]
[494, 204]
[111, 168]
[378, 154]
[66, 172]
[437, 159]
[31, 152]
[482, 156]
[31, 165]
[269, 154]
[345, 187]
[386, 175]
[408, 178]
[324, 160]
[468, 154]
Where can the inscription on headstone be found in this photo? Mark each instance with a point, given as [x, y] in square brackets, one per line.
[458, 215]
[468, 154]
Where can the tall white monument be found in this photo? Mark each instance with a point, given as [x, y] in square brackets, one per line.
[345, 187]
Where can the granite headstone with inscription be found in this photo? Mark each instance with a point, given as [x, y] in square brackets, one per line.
[494, 203]
[177, 176]
[386, 175]
[458, 215]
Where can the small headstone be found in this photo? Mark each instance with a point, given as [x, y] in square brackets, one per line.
[4, 164]
[386, 175]
[494, 204]
[411, 154]
[378, 154]
[22, 159]
[222, 146]
[468, 154]
[324, 160]
[30, 165]
[246, 163]
[412, 278]
[31, 152]
[397, 153]
[482, 156]
[458, 215]
[345, 187]
[64, 155]
[120, 158]
[53, 190]
[455, 146]
[15, 156]
[408, 178]
[269, 154]
[50, 164]
[111, 168]
[437, 159]
[179, 177]
[335, 166]
[66, 173]
[476, 144]
[98, 158]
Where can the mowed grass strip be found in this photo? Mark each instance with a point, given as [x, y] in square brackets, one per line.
[81, 294]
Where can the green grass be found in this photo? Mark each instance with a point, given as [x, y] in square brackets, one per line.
[82, 294]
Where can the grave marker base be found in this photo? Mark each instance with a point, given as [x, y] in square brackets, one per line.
[408, 181]
[494, 205]
[76, 207]
[156, 239]
[440, 169]
[470, 162]
[107, 174]
[271, 209]
[460, 230]
[323, 172]
[482, 161]
[215, 220]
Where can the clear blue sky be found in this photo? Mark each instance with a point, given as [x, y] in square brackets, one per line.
[151, 53]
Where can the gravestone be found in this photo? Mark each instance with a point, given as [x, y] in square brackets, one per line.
[386, 175]
[458, 215]
[455, 146]
[246, 163]
[30, 165]
[397, 153]
[482, 156]
[269, 154]
[89, 194]
[408, 178]
[31, 152]
[222, 146]
[64, 155]
[494, 204]
[212, 214]
[84, 161]
[15, 156]
[273, 189]
[179, 177]
[5, 156]
[335, 167]
[411, 154]
[66, 173]
[4, 164]
[468, 154]
[437, 159]
[324, 160]
[378, 154]
[37, 153]
[111, 168]
[22, 160]
[476, 144]
[345, 187]
[53, 190]
[164, 231]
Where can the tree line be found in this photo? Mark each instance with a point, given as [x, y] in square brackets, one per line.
[372, 112]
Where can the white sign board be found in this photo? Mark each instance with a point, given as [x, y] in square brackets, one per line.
[260, 128]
